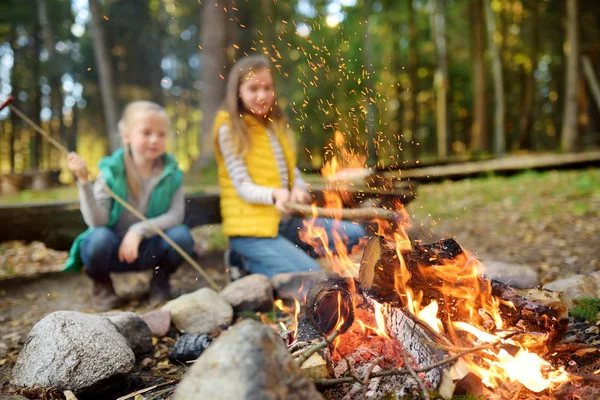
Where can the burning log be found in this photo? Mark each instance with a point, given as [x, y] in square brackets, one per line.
[331, 303]
[425, 270]
[378, 271]
[416, 338]
[420, 309]
[534, 309]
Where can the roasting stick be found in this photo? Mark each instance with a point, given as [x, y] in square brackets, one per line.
[351, 214]
[112, 194]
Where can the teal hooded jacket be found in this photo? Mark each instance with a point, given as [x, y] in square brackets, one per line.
[113, 171]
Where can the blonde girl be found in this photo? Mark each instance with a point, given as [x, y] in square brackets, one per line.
[144, 174]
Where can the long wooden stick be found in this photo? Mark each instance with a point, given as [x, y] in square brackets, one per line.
[116, 197]
[351, 214]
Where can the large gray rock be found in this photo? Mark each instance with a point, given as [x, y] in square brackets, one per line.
[134, 328]
[72, 351]
[250, 293]
[199, 312]
[515, 275]
[248, 362]
[295, 285]
[577, 286]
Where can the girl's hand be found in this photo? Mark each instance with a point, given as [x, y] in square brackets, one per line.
[300, 195]
[128, 251]
[280, 196]
[78, 167]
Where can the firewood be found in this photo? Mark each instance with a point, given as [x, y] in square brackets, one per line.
[416, 337]
[535, 310]
[316, 366]
[330, 301]
[379, 268]
[350, 214]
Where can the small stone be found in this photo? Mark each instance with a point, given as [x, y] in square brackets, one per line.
[515, 275]
[159, 322]
[592, 330]
[250, 293]
[295, 285]
[189, 346]
[201, 311]
[147, 362]
[134, 328]
[577, 286]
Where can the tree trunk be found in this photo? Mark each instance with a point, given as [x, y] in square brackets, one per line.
[525, 122]
[590, 75]
[54, 67]
[156, 73]
[14, 119]
[368, 82]
[72, 137]
[441, 78]
[411, 109]
[569, 127]
[268, 26]
[479, 136]
[214, 72]
[499, 107]
[107, 84]
[36, 97]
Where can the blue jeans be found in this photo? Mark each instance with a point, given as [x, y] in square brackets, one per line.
[100, 252]
[286, 252]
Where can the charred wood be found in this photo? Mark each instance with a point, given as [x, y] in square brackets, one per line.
[329, 303]
[426, 268]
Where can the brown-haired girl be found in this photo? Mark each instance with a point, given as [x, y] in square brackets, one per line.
[257, 174]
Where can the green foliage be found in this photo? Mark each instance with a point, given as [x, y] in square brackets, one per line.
[586, 309]
[467, 397]
[351, 75]
[537, 193]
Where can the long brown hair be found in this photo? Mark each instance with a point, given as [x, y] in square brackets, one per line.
[132, 110]
[234, 106]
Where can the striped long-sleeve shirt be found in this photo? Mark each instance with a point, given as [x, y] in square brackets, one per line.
[238, 171]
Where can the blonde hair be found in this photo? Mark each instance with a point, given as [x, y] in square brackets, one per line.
[234, 106]
[131, 112]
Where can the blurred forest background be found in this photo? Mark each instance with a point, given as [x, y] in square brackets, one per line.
[437, 79]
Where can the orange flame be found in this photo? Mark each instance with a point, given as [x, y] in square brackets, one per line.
[467, 314]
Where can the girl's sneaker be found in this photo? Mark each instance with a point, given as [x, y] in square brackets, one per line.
[104, 297]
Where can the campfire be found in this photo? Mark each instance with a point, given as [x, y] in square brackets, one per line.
[409, 317]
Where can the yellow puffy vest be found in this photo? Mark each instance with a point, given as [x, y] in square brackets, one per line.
[241, 218]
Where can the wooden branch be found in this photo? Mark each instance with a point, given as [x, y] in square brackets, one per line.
[133, 394]
[404, 371]
[316, 347]
[414, 374]
[350, 214]
[367, 377]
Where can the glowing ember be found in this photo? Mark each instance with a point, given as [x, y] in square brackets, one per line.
[363, 343]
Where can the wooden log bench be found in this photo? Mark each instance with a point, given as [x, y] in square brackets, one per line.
[58, 223]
